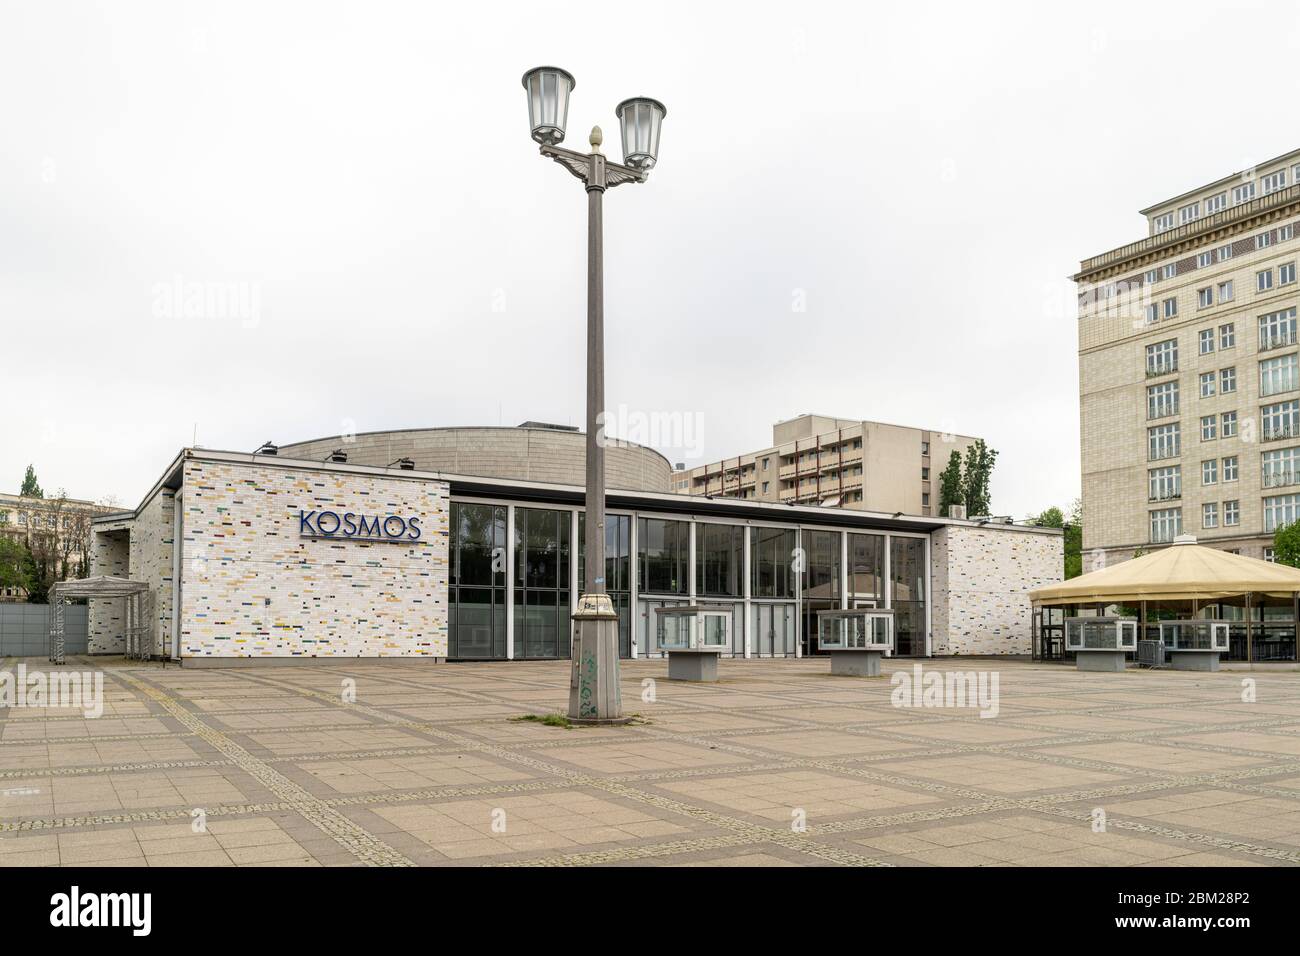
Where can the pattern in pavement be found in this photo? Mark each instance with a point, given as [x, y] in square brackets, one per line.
[777, 764]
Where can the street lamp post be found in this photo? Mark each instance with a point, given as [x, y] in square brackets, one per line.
[593, 685]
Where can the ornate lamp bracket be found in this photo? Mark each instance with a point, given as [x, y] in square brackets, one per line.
[594, 169]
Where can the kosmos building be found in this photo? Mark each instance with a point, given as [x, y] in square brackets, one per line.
[466, 544]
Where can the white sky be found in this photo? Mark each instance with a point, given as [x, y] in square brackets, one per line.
[926, 174]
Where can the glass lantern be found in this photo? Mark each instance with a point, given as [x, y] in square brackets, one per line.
[548, 89]
[641, 118]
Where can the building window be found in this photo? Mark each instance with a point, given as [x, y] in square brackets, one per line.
[1151, 276]
[1280, 467]
[1205, 297]
[1162, 400]
[1228, 424]
[1277, 375]
[1280, 510]
[1189, 213]
[1166, 524]
[925, 448]
[663, 550]
[1162, 357]
[1165, 222]
[1277, 329]
[1171, 308]
[766, 485]
[1228, 332]
[1230, 468]
[1152, 314]
[1243, 193]
[771, 574]
[1274, 181]
[1286, 273]
[1210, 515]
[1281, 420]
[1214, 203]
[1207, 384]
[1231, 513]
[1165, 483]
[1210, 472]
[1209, 428]
[1206, 339]
[1227, 380]
[719, 555]
[1285, 233]
[1225, 291]
[1204, 259]
[1224, 252]
[1264, 280]
[1169, 270]
[1162, 442]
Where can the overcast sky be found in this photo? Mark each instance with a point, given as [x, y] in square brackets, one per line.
[922, 178]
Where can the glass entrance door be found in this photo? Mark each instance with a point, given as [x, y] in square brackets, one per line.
[773, 630]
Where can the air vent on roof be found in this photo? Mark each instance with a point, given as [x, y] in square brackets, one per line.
[338, 456]
[268, 448]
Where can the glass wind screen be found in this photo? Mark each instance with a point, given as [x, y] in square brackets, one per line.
[674, 630]
[715, 630]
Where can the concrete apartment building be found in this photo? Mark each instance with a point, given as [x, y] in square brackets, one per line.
[1188, 378]
[835, 462]
[57, 528]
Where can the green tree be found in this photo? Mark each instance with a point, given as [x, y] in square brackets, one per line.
[950, 484]
[17, 570]
[1073, 527]
[976, 473]
[1286, 544]
[30, 488]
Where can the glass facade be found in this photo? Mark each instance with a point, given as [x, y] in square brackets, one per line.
[476, 582]
[792, 574]
[719, 560]
[772, 558]
[663, 553]
[907, 574]
[821, 582]
[618, 571]
[542, 625]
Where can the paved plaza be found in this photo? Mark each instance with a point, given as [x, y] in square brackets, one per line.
[778, 764]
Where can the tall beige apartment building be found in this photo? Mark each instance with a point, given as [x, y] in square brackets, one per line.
[1188, 379]
[835, 462]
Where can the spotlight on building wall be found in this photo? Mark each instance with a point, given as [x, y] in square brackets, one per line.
[406, 464]
[268, 448]
[338, 456]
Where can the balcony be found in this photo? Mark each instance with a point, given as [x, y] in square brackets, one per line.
[1280, 478]
[1279, 432]
[1279, 341]
[1164, 368]
[1162, 411]
[1166, 495]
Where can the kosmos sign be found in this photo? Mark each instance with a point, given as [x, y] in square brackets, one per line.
[332, 524]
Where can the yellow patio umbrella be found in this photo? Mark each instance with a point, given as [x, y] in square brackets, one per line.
[1181, 572]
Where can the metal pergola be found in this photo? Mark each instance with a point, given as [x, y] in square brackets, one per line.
[138, 606]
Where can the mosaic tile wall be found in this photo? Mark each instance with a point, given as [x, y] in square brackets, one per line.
[981, 582]
[110, 554]
[253, 586]
[153, 535]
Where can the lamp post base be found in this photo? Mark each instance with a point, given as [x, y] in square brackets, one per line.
[594, 696]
